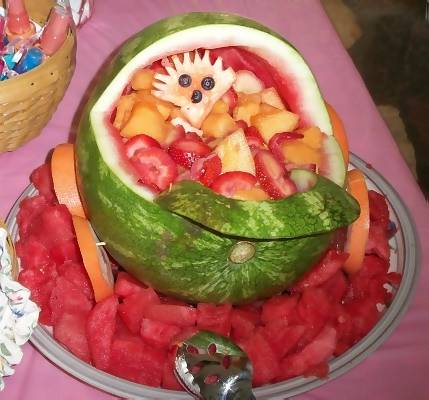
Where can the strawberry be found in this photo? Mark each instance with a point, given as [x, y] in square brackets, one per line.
[138, 142]
[272, 175]
[275, 143]
[187, 150]
[254, 138]
[228, 183]
[207, 169]
[231, 99]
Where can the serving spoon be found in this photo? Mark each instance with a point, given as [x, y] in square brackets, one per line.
[211, 367]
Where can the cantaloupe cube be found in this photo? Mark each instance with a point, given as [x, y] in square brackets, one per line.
[142, 79]
[220, 107]
[218, 125]
[235, 154]
[255, 193]
[270, 124]
[145, 118]
[313, 137]
[271, 97]
[243, 98]
[164, 107]
[246, 111]
[297, 152]
[176, 112]
[123, 110]
[267, 109]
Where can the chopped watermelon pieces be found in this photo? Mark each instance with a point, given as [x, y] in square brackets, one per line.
[133, 333]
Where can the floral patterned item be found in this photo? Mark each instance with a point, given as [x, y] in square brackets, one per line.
[18, 315]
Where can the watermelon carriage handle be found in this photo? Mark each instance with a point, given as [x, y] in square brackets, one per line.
[211, 367]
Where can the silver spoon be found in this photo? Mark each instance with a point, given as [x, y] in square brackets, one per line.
[212, 367]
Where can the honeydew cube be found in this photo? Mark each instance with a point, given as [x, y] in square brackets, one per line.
[145, 118]
[220, 107]
[247, 82]
[142, 79]
[123, 110]
[297, 152]
[271, 97]
[246, 111]
[270, 124]
[313, 137]
[218, 125]
[235, 154]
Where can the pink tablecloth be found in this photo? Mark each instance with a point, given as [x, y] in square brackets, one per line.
[399, 368]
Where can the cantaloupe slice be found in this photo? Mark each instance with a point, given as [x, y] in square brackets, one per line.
[297, 152]
[358, 231]
[218, 125]
[97, 267]
[270, 124]
[64, 179]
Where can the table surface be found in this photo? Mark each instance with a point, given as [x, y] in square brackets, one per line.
[398, 369]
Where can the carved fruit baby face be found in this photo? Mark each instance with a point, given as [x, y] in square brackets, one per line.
[194, 85]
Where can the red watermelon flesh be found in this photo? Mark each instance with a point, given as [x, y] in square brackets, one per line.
[158, 333]
[70, 330]
[126, 285]
[131, 310]
[243, 323]
[278, 308]
[100, 327]
[215, 318]
[29, 208]
[183, 316]
[41, 177]
[65, 251]
[76, 274]
[169, 380]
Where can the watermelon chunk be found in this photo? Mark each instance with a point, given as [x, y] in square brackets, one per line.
[158, 333]
[131, 359]
[215, 318]
[65, 251]
[169, 380]
[324, 270]
[100, 328]
[70, 331]
[278, 307]
[29, 208]
[126, 285]
[336, 287]
[66, 297]
[315, 353]
[41, 177]
[132, 308]
[32, 253]
[266, 367]
[378, 209]
[171, 314]
[76, 274]
[243, 323]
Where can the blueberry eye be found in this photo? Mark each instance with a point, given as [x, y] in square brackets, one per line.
[197, 96]
[207, 83]
[185, 80]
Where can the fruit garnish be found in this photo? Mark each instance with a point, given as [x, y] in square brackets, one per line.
[229, 182]
[155, 167]
[272, 175]
[206, 170]
[194, 85]
[187, 150]
[64, 178]
[98, 269]
[138, 142]
[358, 232]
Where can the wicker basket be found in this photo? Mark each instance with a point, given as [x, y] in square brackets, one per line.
[28, 101]
[12, 253]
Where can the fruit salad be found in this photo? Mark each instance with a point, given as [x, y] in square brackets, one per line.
[215, 178]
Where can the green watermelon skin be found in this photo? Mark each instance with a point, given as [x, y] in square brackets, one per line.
[164, 250]
[175, 256]
[323, 208]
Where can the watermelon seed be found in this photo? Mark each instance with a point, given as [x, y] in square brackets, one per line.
[242, 252]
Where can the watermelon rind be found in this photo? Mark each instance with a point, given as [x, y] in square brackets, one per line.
[170, 253]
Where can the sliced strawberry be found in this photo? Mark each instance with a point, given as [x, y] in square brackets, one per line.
[207, 169]
[186, 151]
[254, 138]
[155, 167]
[272, 176]
[138, 142]
[228, 183]
[275, 143]
[231, 99]
[242, 124]
[193, 136]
